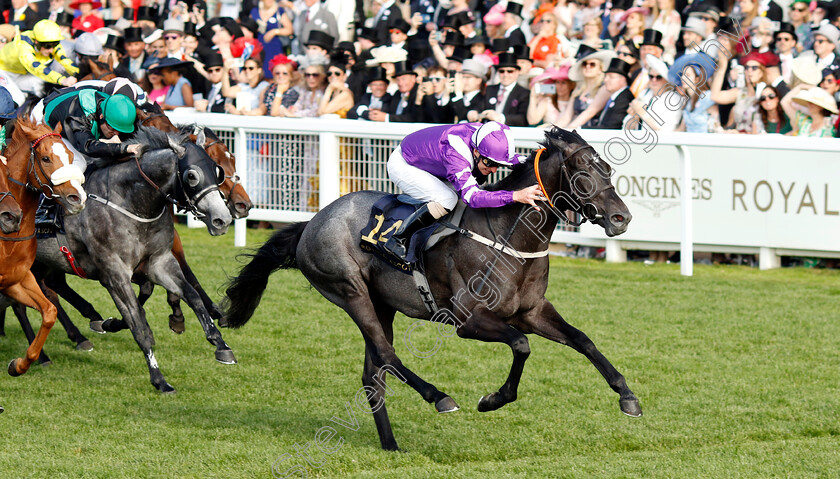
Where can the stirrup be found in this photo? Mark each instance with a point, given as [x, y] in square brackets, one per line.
[397, 248]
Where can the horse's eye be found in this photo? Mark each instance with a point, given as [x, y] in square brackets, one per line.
[220, 175]
[192, 178]
[46, 159]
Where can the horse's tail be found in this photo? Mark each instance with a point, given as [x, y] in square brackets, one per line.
[245, 291]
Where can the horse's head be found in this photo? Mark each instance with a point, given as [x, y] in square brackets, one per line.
[50, 168]
[238, 201]
[584, 182]
[10, 212]
[199, 179]
[151, 114]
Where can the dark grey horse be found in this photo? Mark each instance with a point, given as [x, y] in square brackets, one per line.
[485, 294]
[135, 230]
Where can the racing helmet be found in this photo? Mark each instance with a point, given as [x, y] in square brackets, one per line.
[47, 31]
[494, 141]
[120, 86]
[120, 113]
[88, 44]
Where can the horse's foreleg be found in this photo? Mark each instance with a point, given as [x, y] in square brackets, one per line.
[483, 325]
[178, 252]
[28, 293]
[547, 322]
[164, 270]
[23, 319]
[73, 333]
[123, 295]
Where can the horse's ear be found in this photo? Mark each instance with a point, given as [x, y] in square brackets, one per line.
[26, 126]
[58, 128]
[200, 136]
[176, 147]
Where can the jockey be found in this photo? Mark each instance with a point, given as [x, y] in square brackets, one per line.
[25, 60]
[440, 163]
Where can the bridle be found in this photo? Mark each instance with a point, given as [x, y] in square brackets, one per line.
[45, 188]
[234, 177]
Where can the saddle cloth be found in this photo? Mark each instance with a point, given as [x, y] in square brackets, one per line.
[386, 217]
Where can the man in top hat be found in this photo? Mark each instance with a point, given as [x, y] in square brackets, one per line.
[403, 107]
[616, 80]
[377, 101]
[464, 22]
[785, 41]
[212, 99]
[399, 33]
[135, 49]
[64, 20]
[826, 39]
[319, 43]
[385, 12]
[513, 18]
[505, 102]
[523, 59]
[314, 16]
[147, 18]
[173, 36]
[651, 45]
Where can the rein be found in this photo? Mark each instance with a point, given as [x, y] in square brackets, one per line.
[168, 197]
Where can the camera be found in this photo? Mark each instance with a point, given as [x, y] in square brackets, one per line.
[546, 88]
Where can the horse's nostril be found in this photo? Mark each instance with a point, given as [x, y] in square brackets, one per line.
[217, 223]
[243, 207]
[8, 216]
[618, 219]
[74, 199]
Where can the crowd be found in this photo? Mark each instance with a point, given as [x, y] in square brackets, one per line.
[741, 66]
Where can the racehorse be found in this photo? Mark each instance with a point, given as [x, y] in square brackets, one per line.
[473, 301]
[130, 229]
[38, 163]
[97, 70]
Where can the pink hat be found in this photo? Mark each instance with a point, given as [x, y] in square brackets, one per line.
[552, 74]
[644, 11]
[496, 15]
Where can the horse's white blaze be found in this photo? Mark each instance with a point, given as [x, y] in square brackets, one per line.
[78, 186]
[61, 153]
[152, 361]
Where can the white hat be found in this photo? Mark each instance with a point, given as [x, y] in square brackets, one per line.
[475, 68]
[805, 68]
[153, 37]
[829, 31]
[818, 97]
[695, 25]
[387, 54]
[657, 65]
[604, 56]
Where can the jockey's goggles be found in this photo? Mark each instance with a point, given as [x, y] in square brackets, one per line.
[490, 163]
[47, 45]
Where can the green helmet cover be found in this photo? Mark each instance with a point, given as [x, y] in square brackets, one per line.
[120, 113]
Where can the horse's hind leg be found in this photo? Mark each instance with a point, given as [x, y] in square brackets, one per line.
[374, 379]
[73, 333]
[483, 325]
[28, 293]
[23, 319]
[547, 322]
[58, 283]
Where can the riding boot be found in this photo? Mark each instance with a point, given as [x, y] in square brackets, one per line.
[47, 214]
[397, 244]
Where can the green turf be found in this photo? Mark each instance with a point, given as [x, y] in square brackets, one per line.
[736, 370]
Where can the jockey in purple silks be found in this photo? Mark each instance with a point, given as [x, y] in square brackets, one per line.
[438, 164]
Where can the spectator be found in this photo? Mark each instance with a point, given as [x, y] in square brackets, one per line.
[399, 33]
[286, 92]
[546, 107]
[212, 99]
[523, 61]
[113, 53]
[180, 92]
[699, 112]
[155, 46]
[319, 44]
[493, 21]
[505, 102]
[616, 79]
[385, 12]
[274, 27]
[312, 90]
[434, 95]
[135, 53]
[831, 82]
[825, 43]
[404, 106]
[785, 39]
[154, 85]
[386, 57]
[467, 87]
[173, 37]
[377, 100]
[337, 99]
[588, 97]
[247, 93]
[651, 45]
[479, 46]
[771, 117]
[565, 14]
[811, 111]
[592, 29]
[630, 54]
[667, 21]
[800, 19]
[510, 25]
[87, 20]
[546, 45]
[694, 35]
[634, 24]
[750, 73]
[656, 106]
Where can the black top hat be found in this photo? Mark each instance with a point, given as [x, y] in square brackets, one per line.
[147, 13]
[377, 74]
[189, 29]
[454, 38]
[133, 34]
[457, 20]
[619, 66]
[347, 48]
[584, 50]
[514, 8]
[786, 27]
[321, 39]
[522, 52]
[368, 34]
[476, 39]
[402, 68]
[214, 60]
[246, 23]
[233, 28]
[652, 37]
[459, 55]
[399, 24]
[499, 45]
[115, 43]
[65, 18]
[507, 60]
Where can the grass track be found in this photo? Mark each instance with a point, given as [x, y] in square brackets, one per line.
[736, 370]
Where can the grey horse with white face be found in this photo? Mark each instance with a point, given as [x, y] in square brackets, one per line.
[127, 225]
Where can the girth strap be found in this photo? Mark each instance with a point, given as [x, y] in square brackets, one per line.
[494, 244]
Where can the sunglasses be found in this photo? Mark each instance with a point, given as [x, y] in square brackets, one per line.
[656, 77]
[505, 71]
[821, 40]
[784, 39]
[590, 64]
[251, 68]
[334, 74]
[769, 96]
[312, 75]
[48, 45]
[490, 163]
[437, 79]
[752, 67]
[214, 70]
[171, 37]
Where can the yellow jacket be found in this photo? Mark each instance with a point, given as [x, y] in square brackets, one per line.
[21, 56]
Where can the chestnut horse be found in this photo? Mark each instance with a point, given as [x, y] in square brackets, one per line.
[38, 163]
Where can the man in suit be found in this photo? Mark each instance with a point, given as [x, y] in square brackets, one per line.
[506, 102]
[135, 48]
[384, 16]
[513, 18]
[313, 17]
[404, 106]
[616, 80]
[22, 15]
[473, 75]
[377, 101]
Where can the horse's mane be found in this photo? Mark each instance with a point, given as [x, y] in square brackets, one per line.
[155, 139]
[14, 133]
[555, 141]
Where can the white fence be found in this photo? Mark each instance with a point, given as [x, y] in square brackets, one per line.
[754, 194]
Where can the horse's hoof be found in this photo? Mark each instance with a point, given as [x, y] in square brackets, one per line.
[165, 388]
[225, 356]
[446, 404]
[630, 407]
[45, 364]
[96, 327]
[85, 345]
[13, 368]
[1, 409]
[491, 402]
[176, 324]
[113, 325]
[215, 312]
[222, 322]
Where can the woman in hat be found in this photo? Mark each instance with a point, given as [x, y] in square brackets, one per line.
[547, 107]
[274, 30]
[700, 113]
[770, 117]
[312, 91]
[249, 89]
[588, 97]
[592, 34]
[153, 85]
[545, 45]
[180, 91]
[88, 20]
[810, 109]
[337, 99]
[634, 24]
[284, 92]
[741, 97]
